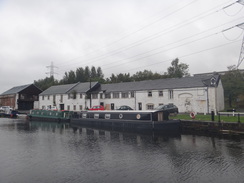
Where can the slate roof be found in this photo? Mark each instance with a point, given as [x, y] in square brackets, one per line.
[83, 87]
[169, 83]
[15, 89]
[58, 89]
[68, 88]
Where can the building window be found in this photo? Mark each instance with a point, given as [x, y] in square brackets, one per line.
[160, 93]
[132, 94]
[107, 95]
[81, 107]
[171, 94]
[81, 95]
[68, 107]
[61, 98]
[150, 106]
[149, 93]
[125, 94]
[116, 95]
[43, 97]
[68, 95]
[48, 97]
[95, 96]
[74, 107]
[101, 96]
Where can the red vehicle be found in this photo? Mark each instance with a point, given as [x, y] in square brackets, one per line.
[97, 108]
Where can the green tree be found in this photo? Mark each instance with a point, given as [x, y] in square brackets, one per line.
[93, 72]
[80, 75]
[178, 70]
[43, 84]
[233, 84]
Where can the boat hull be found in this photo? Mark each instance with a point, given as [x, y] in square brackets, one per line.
[49, 116]
[134, 121]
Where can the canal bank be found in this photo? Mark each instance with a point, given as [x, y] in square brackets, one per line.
[231, 128]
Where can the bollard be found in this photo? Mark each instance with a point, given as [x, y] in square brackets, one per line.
[212, 115]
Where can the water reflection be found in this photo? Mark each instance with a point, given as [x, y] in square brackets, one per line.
[53, 152]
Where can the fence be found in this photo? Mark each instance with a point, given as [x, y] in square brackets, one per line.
[238, 114]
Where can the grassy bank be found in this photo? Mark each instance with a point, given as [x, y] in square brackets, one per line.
[201, 117]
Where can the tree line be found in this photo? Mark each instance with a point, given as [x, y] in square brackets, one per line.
[88, 74]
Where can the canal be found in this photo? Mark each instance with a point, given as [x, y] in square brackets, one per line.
[42, 152]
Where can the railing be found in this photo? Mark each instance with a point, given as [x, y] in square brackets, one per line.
[238, 114]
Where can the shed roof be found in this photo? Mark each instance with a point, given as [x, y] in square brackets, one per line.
[16, 89]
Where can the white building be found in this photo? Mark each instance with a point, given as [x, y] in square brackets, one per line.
[67, 97]
[201, 94]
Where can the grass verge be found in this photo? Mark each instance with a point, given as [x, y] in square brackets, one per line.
[207, 117]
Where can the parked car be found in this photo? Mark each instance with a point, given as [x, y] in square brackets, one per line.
[171, 108]
[124, 107]
[97, 108]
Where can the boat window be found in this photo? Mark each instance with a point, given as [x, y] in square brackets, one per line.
[96, 116]
[107, 116]
[84, 115]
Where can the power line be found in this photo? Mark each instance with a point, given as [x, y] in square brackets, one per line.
[145, 26]
[183, 56]
[154, 36]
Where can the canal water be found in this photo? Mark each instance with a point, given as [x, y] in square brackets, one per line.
[42, 152]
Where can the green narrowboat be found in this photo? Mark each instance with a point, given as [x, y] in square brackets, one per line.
[48, 115]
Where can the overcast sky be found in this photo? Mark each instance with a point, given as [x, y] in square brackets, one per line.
[120, 36]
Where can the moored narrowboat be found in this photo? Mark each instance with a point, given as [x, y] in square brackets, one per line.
[48, 115]
[133, 120]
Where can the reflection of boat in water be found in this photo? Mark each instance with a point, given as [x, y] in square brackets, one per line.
[53, 126]
[133, 120]
[47, 115]
[7, 111]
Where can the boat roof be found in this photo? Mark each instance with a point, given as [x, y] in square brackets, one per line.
[121, 111]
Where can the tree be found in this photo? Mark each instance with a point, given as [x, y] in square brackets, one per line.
[119, 78]
[43, 84]
[233, 83]
[146, 75]
[80, 75]
[178, 70]
[93, 72]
